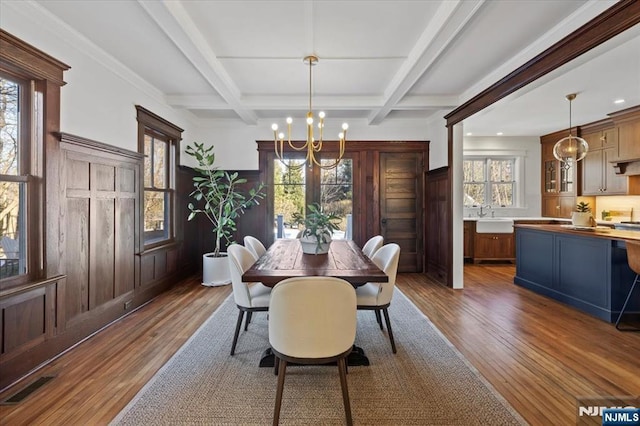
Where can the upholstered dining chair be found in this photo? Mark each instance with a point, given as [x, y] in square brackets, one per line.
[255, 246]
[372, 245]
[312, 320]
[377, 296]
[633, 258]
[248, 298]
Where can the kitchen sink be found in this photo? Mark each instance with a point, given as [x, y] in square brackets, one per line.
[494, 225]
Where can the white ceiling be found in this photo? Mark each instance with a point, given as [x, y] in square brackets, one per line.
[379, 60]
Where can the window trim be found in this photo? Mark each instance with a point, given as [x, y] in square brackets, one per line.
[518, 175]
[43, 76]
[157, 127]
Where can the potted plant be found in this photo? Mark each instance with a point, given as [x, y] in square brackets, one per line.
[582, 215]
[220, 200]
[318, 228]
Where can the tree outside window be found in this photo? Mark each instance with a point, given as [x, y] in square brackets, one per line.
[14, 181]
[295, 187]
[489, 181]
[157, 140]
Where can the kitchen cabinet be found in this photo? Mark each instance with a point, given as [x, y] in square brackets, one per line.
[628, 125]
[598, 173]
[469, 231]
[584, 271]
[559, 179]
[493, 247]
[558, 206]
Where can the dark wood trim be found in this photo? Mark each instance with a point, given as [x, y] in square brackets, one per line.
[158, 123]
[13, 291]
[22, 56]
[357, 146]
[613, 21]
[93, 146]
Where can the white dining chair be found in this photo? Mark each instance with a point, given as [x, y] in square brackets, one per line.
[372, 245]
[377, 296]
[248, 298]
[255, 246]
[312, 320]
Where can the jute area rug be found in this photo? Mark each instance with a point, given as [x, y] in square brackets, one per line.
[428, 382]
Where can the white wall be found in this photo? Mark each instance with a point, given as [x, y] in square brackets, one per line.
[439, 146]
[529, 147]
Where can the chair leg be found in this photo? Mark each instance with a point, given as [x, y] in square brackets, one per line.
[247, 320]
[281, 373]
[386, 319]
[635, 281]
[378, 318]
[235, 336]
[342, 369]
[276, 363]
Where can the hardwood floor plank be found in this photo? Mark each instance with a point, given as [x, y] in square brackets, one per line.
[539, 354]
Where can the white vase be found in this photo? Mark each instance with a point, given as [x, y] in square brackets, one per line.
[309, 245]
[581, 219]
[215, 270]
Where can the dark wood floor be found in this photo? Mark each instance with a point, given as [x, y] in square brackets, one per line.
[540, 355]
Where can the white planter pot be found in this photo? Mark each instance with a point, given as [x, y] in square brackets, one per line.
[309, 245]
[581, 219]
[215, 270]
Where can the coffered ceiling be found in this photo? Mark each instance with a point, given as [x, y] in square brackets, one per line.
[379, 60]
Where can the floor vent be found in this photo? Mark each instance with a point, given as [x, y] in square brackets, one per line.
[24, 393]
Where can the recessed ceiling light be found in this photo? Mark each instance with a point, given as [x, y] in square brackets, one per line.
[618, 101]
[499, 133]
[469, 134]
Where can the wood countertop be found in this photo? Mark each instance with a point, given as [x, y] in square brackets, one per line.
[611, 234]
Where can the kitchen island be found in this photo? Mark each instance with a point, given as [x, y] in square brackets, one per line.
[586, 269]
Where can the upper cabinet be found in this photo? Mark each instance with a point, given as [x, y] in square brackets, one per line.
[628, 124]
[559, 179]
[598, 173]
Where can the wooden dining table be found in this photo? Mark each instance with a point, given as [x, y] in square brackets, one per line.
[285, 259]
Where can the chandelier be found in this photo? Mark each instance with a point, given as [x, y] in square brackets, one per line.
[571, 147]
[312, 146]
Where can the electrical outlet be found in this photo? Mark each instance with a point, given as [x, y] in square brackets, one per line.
[127, 304]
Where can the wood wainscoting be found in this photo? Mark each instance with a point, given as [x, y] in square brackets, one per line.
[100, 271]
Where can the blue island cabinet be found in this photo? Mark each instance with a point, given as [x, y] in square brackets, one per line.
[588, 273]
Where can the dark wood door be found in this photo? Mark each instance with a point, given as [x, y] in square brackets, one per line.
[401, 206]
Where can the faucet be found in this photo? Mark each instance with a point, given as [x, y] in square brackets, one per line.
[481, 213]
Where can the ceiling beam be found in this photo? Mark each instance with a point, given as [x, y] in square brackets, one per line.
[181, 30]
[430, 46]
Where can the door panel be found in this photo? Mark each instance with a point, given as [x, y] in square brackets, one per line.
[401, 206]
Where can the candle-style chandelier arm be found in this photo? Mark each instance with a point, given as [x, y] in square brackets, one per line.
[312, 145]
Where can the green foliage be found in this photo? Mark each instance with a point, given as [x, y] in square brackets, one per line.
[217, 195]
[289, 192]
[583, 207]
[320, 224]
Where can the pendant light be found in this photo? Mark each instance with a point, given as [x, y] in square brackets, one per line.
[571, 148]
